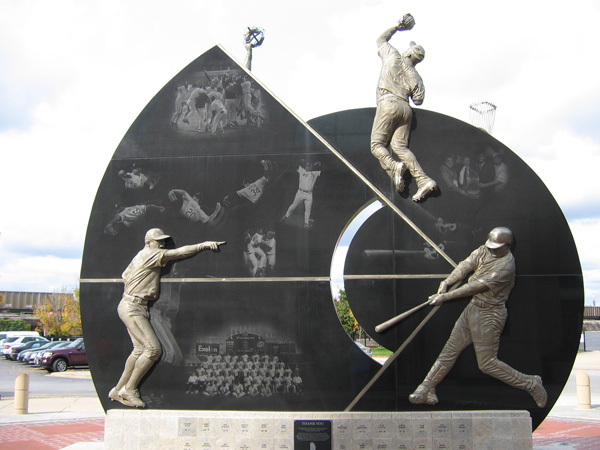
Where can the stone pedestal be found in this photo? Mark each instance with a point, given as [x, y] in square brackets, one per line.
[242, 430]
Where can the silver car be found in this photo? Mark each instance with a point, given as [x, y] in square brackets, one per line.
[10, 342]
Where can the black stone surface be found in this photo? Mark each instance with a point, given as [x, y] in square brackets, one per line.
[291, 315]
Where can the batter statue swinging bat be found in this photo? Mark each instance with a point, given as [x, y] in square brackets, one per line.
[493, 276]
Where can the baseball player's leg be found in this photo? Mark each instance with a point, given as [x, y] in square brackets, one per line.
[384, 125]
[143, 332]
[247, 103]
[261, 257]
[399, 144]
[177, 113]
[298, 199]
[213, 128]
[271, 262]
[138, 349]
[191, 108]
[459, 339]
[230, 107]
[252, 263]
[127, 371]
[217, 125]
[486, 341]
[308, 201]
[223, 121]
[201, 120]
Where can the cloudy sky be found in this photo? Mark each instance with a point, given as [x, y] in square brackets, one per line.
[74, 74]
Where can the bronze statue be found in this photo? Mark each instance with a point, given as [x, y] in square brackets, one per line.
[399, 81]
[482, 321]
[142, 285]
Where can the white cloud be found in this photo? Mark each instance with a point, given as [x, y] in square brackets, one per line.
[568, 164]
[75, 74]
[585, 232]
[39, 273]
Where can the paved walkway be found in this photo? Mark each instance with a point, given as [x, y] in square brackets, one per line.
[77, 423]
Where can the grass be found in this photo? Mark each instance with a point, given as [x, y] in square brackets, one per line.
[381, 351]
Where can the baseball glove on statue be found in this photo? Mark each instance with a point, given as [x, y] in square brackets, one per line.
[407, 22]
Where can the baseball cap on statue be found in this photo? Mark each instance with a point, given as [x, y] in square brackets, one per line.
[417, 50]
[156, 234]
[498, 237]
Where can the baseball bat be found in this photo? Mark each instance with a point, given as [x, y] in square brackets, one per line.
[399, 318]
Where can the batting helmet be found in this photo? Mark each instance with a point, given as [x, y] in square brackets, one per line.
[498, 237]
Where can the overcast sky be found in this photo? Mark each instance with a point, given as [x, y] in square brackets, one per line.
[75, 74]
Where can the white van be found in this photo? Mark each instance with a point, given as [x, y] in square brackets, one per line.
[7, 334]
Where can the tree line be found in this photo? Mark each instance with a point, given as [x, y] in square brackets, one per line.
[59, 315]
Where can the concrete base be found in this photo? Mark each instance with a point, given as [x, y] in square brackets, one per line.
[241, 430]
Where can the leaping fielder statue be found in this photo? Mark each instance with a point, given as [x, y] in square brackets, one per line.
[399, 81]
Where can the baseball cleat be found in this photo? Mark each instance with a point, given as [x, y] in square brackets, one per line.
[538, 392]
[425, 190]
[132, 397]
[398, 175]
[114, 396]
[423, 395]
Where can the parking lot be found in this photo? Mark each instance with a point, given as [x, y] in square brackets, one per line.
[76, 382]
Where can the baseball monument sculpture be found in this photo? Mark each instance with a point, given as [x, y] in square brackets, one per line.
[244, 329]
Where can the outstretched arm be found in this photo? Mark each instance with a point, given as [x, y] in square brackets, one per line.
[248, 60]
[190, 250]
[406, 23]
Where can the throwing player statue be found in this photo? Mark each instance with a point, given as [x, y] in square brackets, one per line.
[142, 285]
[399, 81]
[482, 321]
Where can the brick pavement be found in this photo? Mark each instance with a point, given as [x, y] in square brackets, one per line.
[567, 434]
[49, 435]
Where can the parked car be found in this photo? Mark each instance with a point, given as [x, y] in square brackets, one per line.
[16, 349]
[7, 334]
[37, 356]
[26, 355]
[59, 360]
[9, 342]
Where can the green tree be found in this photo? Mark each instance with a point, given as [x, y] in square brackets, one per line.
[345, 315]
[59, 314]
[14, 325]
[71, 323]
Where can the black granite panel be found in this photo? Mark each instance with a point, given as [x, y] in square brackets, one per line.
[218, 310]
